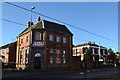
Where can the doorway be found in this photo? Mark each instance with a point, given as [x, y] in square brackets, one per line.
[37, 61]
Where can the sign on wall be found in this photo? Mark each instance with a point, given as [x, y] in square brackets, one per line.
[37, 44]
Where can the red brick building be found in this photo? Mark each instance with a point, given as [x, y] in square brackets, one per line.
[8, 54]
[80, 50]
[50, 47]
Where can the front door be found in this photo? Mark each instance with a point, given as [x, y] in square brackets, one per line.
[37, 61]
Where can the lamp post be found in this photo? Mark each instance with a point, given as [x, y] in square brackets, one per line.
[85, 66]
[30, 40]
[31, 24]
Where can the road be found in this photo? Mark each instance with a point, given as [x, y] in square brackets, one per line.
[99, 74]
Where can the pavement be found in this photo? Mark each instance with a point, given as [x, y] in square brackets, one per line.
[99, 74]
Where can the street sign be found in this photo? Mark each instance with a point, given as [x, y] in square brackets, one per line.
[37, 44]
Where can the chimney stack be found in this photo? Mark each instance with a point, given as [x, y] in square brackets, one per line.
[93, 42]
[38, 19]
[89, 42]
[29, 23]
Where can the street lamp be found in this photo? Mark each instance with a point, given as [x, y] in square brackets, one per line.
[30, 40]
[85, 66]
[31, 12]
[31, 24]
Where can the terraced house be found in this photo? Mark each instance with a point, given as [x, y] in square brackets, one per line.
[8, 54]
[99, 53]
[44, 46]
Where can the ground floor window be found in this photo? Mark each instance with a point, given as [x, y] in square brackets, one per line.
[57, 56]
[58, 60]
[20, 57]
[51, 60]
[26, 52]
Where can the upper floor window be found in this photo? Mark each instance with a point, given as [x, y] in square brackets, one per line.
[21, 41]
[20, 57]
[51, 50]
[99, 52]
[7, 50]
[26, 38]
[93, 51]
[63, 56]
[103, 52]
[51, 37]
[64, 40]
[57, 39]
[38, 36]
[6, 59]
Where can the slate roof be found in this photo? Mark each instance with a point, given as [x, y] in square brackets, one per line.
[47, 25]
[90, 44]
[56, 27]
[7, 45]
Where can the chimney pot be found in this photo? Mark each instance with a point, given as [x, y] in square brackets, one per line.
[38, 19]
[89, 42]
[29, 23]
[93, 42]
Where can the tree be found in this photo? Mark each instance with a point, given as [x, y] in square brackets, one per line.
[111, 56]
[88, 55]
[110, 50]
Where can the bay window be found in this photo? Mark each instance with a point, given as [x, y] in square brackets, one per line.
[38, 36]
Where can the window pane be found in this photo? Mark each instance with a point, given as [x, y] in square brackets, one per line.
[26, 60]
[51, 50]
[64, 40]
[57, 51]
[27, 39]
[57, 55]
[21, 41]
[20, 57]
[63, 60]
[38, 36]
[63, 56]
[58, 60]
[92, 50]
[51, 60]
[27, 56]
[58, 39]
[51, 37]
[51, 55]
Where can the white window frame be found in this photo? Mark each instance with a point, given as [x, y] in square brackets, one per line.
[93, 51]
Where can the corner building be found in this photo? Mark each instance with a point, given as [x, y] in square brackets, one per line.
[44, 46]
